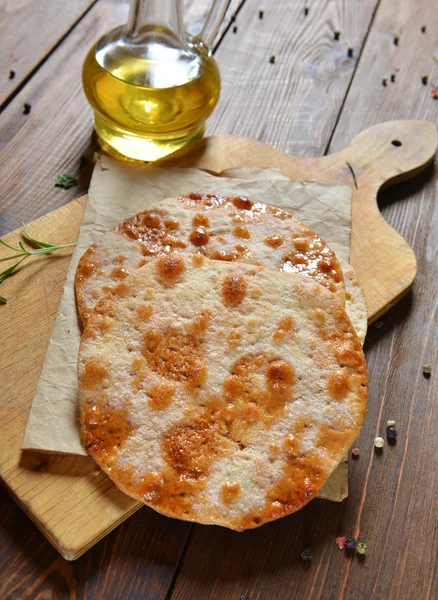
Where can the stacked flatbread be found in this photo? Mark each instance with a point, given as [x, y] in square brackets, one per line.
[221, 379]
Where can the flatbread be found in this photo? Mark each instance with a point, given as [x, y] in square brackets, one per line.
[221, 228]
[220, 393]
[355, 302]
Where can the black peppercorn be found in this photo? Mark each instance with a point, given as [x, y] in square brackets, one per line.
[350, 542]
[391, 432]
[307, 555]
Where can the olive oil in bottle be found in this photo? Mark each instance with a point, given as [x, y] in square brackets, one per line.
[150, 99]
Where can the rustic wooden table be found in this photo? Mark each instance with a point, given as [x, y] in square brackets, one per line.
[312, 100]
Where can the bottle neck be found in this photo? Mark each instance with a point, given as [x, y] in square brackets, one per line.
[148, 15]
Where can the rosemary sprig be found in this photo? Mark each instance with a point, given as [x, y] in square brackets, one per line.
[353, 173]
[22, 253]
[42, 245]
[9, 271]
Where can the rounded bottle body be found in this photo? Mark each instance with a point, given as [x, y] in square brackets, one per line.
[149, 98]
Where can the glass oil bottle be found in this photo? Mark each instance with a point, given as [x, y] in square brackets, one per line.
[151, 84]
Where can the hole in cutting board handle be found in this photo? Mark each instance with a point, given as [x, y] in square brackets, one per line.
[396, 143]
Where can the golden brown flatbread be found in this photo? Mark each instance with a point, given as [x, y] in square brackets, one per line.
[228, 229]
[218, 392]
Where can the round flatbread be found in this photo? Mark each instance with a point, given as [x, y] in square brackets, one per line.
[220, 393]
[228, 229]
[355, 302]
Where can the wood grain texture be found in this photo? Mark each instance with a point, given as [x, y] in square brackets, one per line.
[137, 561]
[48, 21]
[52, 139]
[292, 104]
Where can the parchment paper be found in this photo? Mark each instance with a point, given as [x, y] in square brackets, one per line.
[119, 190]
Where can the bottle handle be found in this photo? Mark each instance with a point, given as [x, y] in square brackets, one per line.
[213, 21]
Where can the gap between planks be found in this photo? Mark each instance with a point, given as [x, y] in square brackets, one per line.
[347, 91]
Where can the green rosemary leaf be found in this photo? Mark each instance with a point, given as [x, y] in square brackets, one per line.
[23, 249]
[14, 256]
[48, 250]
[42, 245]
[3, 243]
[9, 271]
[66, 181]
[33, 240]
[38, 251]
[23, 253]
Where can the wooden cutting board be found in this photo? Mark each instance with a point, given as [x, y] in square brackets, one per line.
[69, 498]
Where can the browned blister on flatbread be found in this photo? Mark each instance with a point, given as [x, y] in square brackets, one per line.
[217, 392]
[233, 229]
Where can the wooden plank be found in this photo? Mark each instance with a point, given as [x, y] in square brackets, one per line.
[29, 31]
[136, 561]
[392, 501]
[292, 104]
[58, 133]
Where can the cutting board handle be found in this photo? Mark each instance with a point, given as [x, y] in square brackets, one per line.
[388, 153]
[381, 156]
